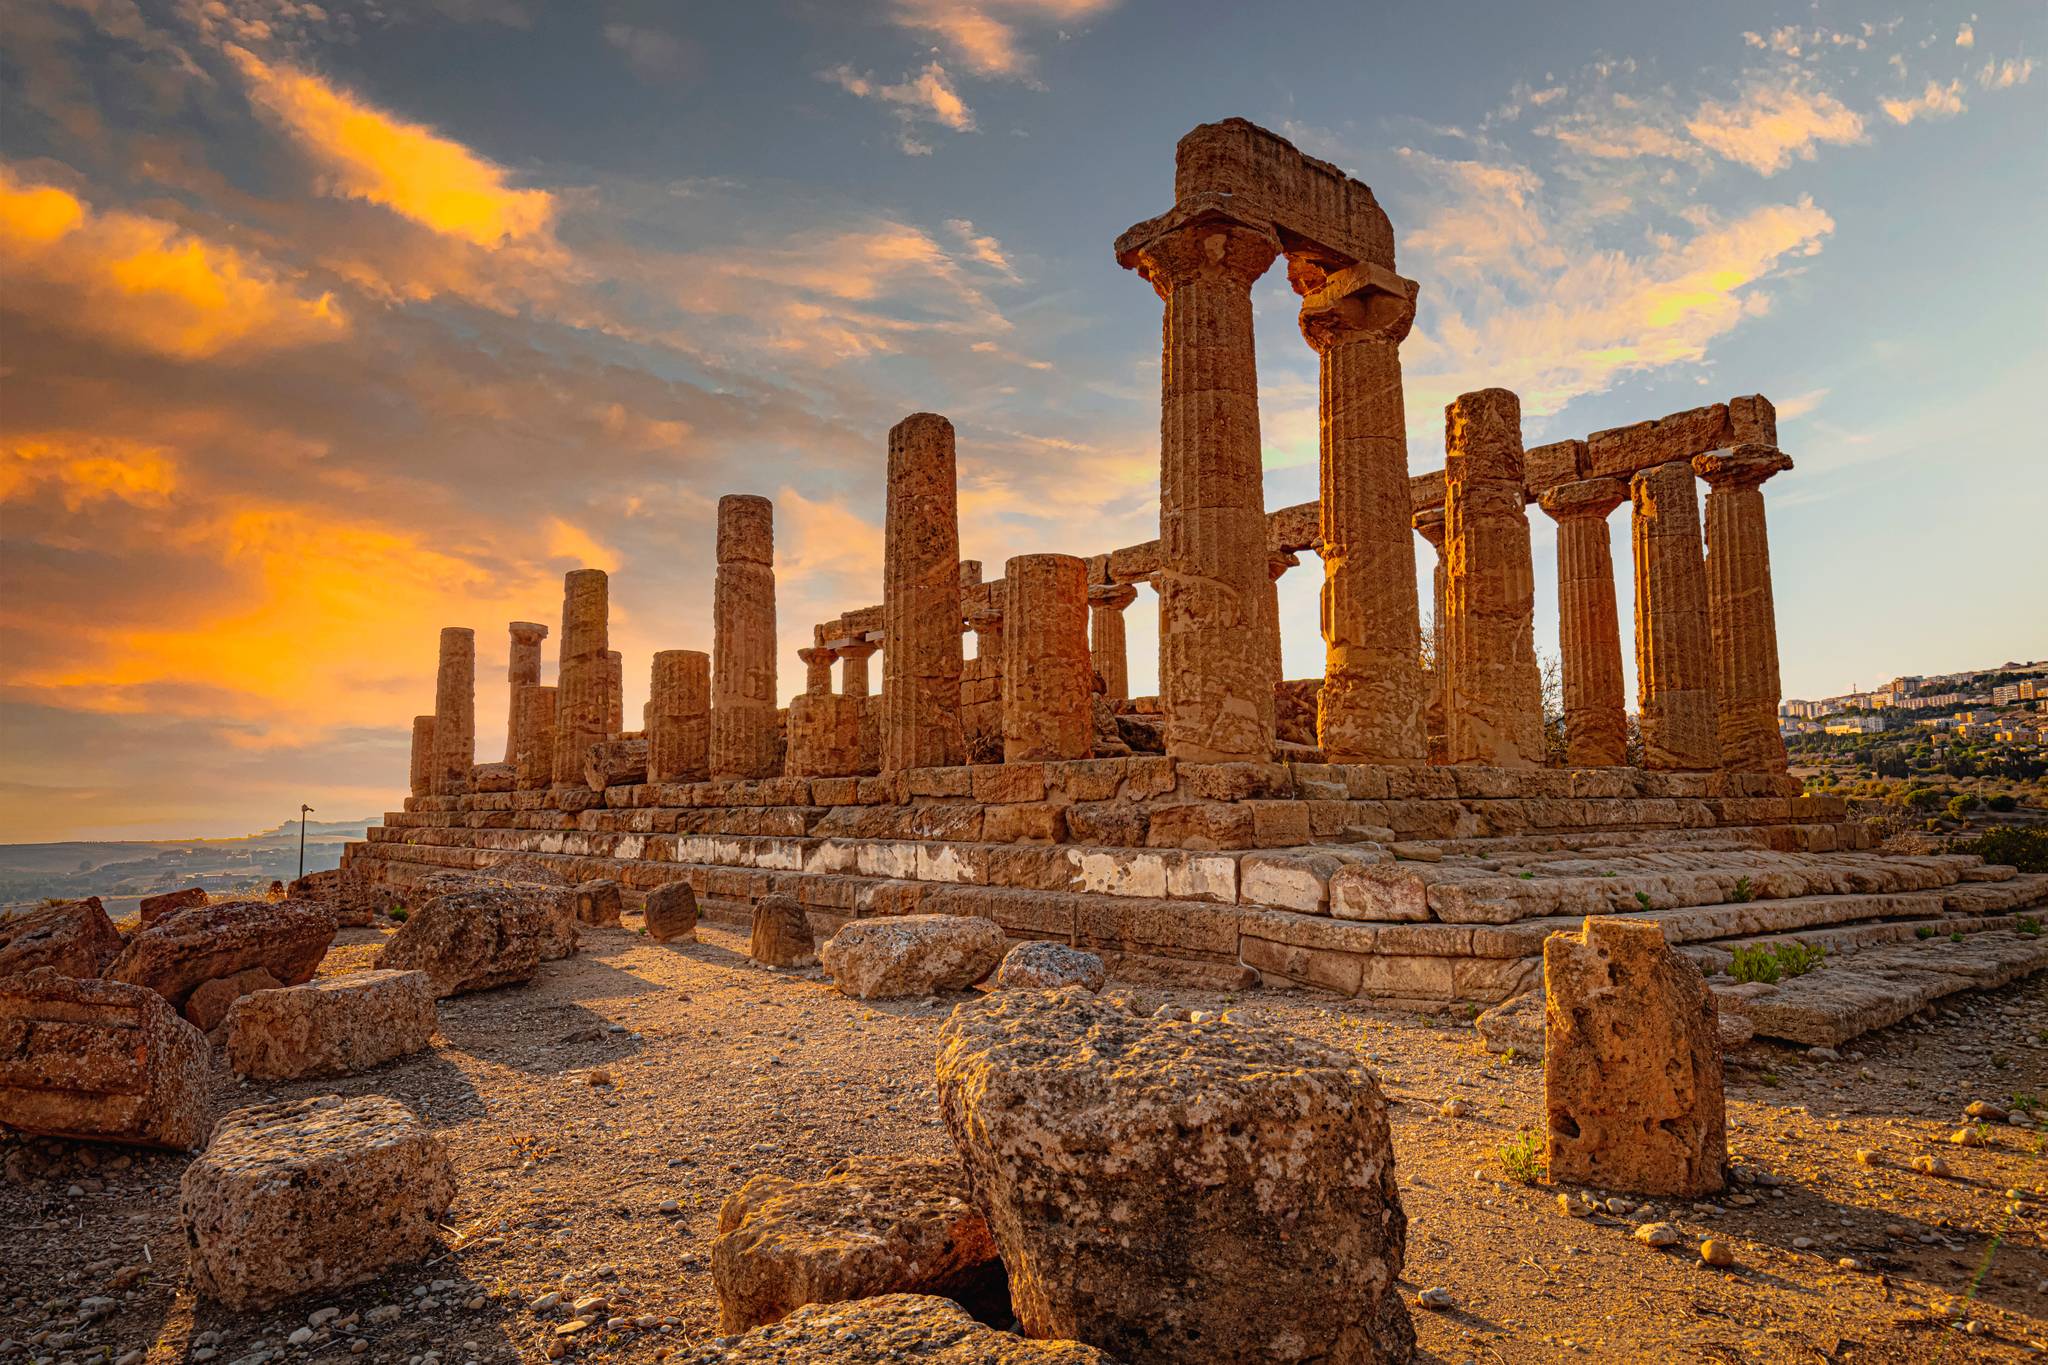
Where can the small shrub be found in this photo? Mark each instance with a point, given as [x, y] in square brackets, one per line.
[1743, 892]
[1924, 931]
[1643, 899]
[398, 912]
[1956, 937]
[2025, 849]
[2003, 802]
[1774, 962]
[2025, 1104]
[1521, 1156]
[1528, 876]
[2029, 926]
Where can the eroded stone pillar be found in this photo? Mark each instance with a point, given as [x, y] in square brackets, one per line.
[817, 662]
[1429, 523]
[1589, 625]
[744, 741]
[920, 704]
[614, 692]
[422, 756]
[1493, 693]
[1371, 706]
[1741, 615]
[1277, 564]
[533, 759]
[1217, 670]
[679, 717]
[580, 675]
[1106, 603]
[522, 669]
[455, 711]
[1674, 654]
[1048, 693]
[853, 672]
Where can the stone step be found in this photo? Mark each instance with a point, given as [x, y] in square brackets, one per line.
[1845, 940]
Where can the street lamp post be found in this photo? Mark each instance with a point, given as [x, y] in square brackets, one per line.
[304, 811]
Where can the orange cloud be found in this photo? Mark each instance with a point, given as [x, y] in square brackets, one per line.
[87, 468]
[1771, 126]
[983, 32]
[1936, 101]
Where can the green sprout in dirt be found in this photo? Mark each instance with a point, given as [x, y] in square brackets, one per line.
[2029, 926]
[1956, 937]
[2025, 1104]
[1643, 899]
[1774, 961]
[1521, 1156]
[1924, 931]
[397, 912]
[1743, 893]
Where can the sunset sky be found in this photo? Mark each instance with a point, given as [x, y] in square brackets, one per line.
[327, 325]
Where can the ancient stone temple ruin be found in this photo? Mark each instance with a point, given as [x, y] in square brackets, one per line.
[1389, 830]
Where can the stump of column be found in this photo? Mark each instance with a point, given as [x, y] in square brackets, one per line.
[422, 756]
[679, 717]
[1048, 697]
[1429, 524]
[1106, 652]
[1741, 615]
[853, 673]
[455, 712]
[1217, 668]
[580, 699]
[1589, 625]
[1370, 709]
[522, 669]
[745, 742]
[533, 760]
[1674, 653]
[920, 703]
[1493, 693]
[817, 661]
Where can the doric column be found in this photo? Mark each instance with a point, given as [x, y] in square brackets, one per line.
[970, 574]
[921, 600]
[422, 755]
[1106, 603]
[1493, 694]
[521, 670]
[1048, 696]
[1741, 616]
[1277, 563]
[614, 692]
[455, 711]
[533, 759]
[1217, 675]
[817, 662]
[743, 725]
[853, 673]
[1429, 523]
[1674, 654]
[1371, 706]
[580, 676]
[679, 717]
[1589, 628]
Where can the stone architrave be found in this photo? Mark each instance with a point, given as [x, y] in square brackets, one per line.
[679, 717]
[455, 711]
[614, 692]
[1674, 653]
[522, 669]
[853, 672]
[1106, 652]
[817, 661]
[1429, 524]
[1493, 694]
[920, 722]
[1741, 617]
[422, 755]
[1217, 675]
[580, 677]
[1048, 706]
[744, 743]
[1370, 709]
[1589, 627]
[534, 762]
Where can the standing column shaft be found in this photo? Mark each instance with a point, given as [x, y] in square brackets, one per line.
[522, 669]
[1589, 626]
[743, 723]
[1430, 524]
[1276, 565]
[853, 674]
[1048, 702]
[1674, 653]
[1371, 706]
[1493, 693]
[580, 677]
[679, 717]
[455, 712]
[920, 724]
[1741, 615]
[1218, 670]
[534, 748]
[817, 662]
[1106, 603]
[422, 755]
[614, 693]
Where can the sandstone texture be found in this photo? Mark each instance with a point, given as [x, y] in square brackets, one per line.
[72, 937]
[455, 712]
[531, 884]
[1674, 658]
[1048, 697]
[312, 1195]
[598, 902]
[580, 679]
[1589, 628]
[893, 1327]
[1044, 965]
[1172, 1191]
[902, 955]
[188, 948]
[743, 697]
[1517, 1025]
[100, 1060]
[471, 940]
[330, 1027]
[920, 702]
[671, 913]
[206, 1009]
[522, 670]
[154, 908]
[781, 934]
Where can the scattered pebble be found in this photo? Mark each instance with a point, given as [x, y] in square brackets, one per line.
[1436, 1300]
[1930, 1165]
[1716, 1252]
[1657, 1235]
[1453, 1109]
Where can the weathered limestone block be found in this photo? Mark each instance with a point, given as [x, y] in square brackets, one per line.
[1674, 655]
[825, 735]
[493, 777]
[1589, 628]
[672, 913]
[1333, 215]
[73, 937]
[1741, 617]
[781, 934]
[817, 661]
[206, 1009]
[615, 763]
[522, 670]
[154, 908]
[471, 940]
[679, 717]
[920, 715]
[531, 885]
[1174, 1191]
[1516, 1025]
[599, 902]
[312, 1195]
[101, 1061]
[580, 679]
[533, 767]
[614, 692]
[455, 712]
[1044, 965]
[1631, 1063]
[919, 1327]
[422, 780]
[178, 953]
[873, 1225]
[334, 1026]
[1048, 707]
[743, 699]
[1106, 650]
[1620, 452]
[912, 955]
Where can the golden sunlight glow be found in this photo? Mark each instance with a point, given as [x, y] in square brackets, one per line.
[87, 468]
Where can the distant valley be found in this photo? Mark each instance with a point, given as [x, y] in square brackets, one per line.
[121, 873]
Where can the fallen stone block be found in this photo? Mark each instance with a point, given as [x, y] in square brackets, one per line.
[188, 948]
[154, 908]
[100, 1060]
[206, 1009]
[471, 940]
[556, 901]
[72, 937]
[892, 1327]
[331, 1027]
[873, 1225]
[1138, 1173]
[310, 1196]
[1043, 965]
[672, 913]
[598, 902]
[912, 955]
[781, 934]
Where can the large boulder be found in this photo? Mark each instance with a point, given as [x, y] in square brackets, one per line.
[187, 948]
[781, 934]
[1044, 965]
[873, 1225]
[72, 937]
[100, 1060]
[1631, 1063]
[555, 900]
[154, 908]
[1172, 1191]
[672, 913]
[900, 955]
[312, 1195]
[331, 1027]
[471, 940]
[911, 1327]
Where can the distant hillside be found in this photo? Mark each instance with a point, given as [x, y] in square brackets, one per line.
[121, 873]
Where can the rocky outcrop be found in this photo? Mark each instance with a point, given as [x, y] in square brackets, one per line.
[100, 1060]
[187, 948]
[331, 1027]
[930, 1331]
[471, 940]
[781, 934]
[1172, 1191]
[672, 913]
[1044, 965]
[72, 937]
[901, 955]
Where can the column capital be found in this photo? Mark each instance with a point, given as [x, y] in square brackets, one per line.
[983, 620]
[817, 654]
[1743, 466]
[1113, 596]
[1360, 303]
[1430, 523]
[1196, 239]
[859, 647]
[528, 632]
[1592, 499]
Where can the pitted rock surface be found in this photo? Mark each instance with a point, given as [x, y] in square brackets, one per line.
[555, 899]
[781, 934]
[72, 937]
[671, 913]
[472, 940]
[331, 1027]
[1044, 965]
[154, 908]
[931, 1331]
[879, 959]
[187, 948]
[206, 1009]
[100, 1060]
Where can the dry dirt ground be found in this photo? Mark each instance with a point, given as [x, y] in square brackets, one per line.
[599, 1116]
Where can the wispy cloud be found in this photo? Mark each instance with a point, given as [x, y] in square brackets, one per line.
[927, 97]
[1771, 124]
[984, 34]
[1936, 101]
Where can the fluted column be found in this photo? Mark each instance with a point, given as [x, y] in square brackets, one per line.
[1429, 523]
[422, 776]
[1218, 672]
[920, 704]
[522, 669]
[679, 717]
[580, 698]
[455, 711]
[533, 760]
[743, 702]
[614, 693]
[1048, 696]
[853, 671]
[1371, 706]
[1589, 626]
[1741, 615]
[1106, 603]
[1277, 564]
[817, 661]
[1674, 652]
